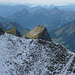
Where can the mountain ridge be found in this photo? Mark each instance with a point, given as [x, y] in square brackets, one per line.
[47, 18]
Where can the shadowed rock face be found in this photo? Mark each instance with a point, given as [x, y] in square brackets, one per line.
[38, 32]
[44, 35]
[1, 31]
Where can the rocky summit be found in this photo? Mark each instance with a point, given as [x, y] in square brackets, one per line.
[19, 56]
[38, 32]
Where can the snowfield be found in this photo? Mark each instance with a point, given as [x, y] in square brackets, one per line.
[20, 56]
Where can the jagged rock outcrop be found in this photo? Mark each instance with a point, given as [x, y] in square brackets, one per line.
[14, 31]
[38, 32]
[1, 31]
[20, 56]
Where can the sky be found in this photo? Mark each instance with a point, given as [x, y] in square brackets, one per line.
[38, 1]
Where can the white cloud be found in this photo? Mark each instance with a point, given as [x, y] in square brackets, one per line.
[38, 1]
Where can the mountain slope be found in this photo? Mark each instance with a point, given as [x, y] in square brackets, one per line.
[3, 28]
[14, 31]
[2, 19]
[34, 57]
[52, 19]
[65, 35]
[8, 10]
[11, 25]
[38, 32]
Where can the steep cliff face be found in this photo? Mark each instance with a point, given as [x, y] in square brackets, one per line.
[20, 56]
[1, 31]
[44, 35]
[14, 31]
[38, 32]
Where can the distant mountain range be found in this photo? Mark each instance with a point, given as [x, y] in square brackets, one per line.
[2, 27]
[65, 35]
[10, 9]
[7, 10]
[2, 19]
[52, 19]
